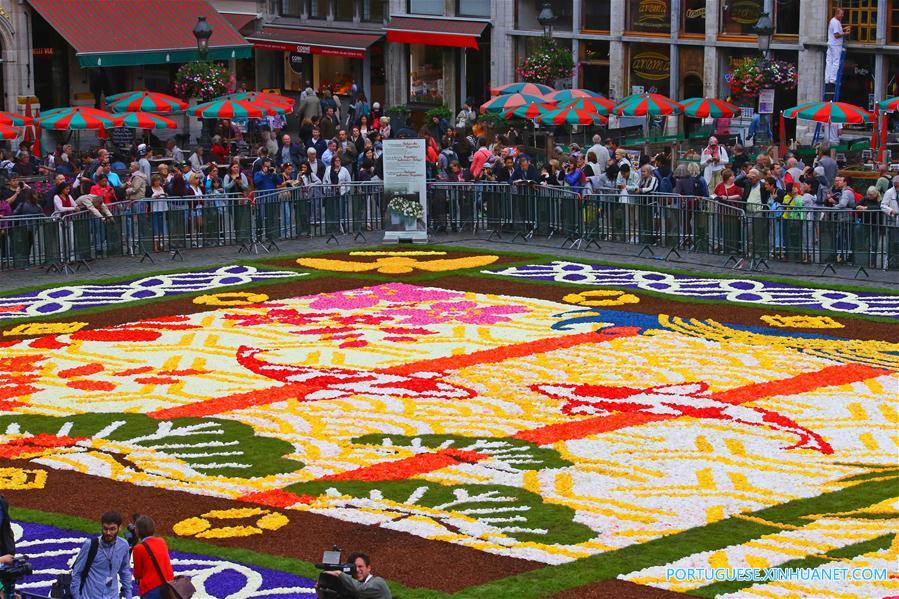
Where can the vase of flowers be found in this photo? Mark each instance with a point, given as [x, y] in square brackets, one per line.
[547, 64]
[407, 209]
[750, 77]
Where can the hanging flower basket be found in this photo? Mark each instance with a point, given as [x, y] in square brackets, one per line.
[203, 80]
[752, 76]
[547, 64]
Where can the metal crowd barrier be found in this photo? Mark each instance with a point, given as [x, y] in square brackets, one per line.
[661, 225]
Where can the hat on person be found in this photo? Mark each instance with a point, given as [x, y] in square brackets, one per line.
[376, 106]
[142, 149]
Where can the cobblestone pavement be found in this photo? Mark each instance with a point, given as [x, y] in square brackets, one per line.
[610, 252]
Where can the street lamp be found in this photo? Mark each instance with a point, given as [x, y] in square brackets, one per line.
[763, 29]
[546, 18]
[202, 31]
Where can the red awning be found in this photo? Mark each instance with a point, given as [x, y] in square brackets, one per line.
[314, 41]
[435, 32]
[239, 20]
[124, 32]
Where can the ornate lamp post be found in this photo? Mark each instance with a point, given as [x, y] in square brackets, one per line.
[763, 29]
[546, 18]
[202, 31]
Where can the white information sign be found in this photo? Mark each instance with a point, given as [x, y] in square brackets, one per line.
[766, 101]
[405, 191]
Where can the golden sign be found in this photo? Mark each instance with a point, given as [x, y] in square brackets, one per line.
[745, 12]
[652, 66]
[653, 10]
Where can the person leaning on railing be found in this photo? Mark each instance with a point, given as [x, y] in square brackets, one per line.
[890, 203]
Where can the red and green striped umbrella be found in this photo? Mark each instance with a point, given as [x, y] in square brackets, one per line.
[703, 108]
[571, 116]
[889, 105]
[145, 102]
[647, 105]
[7, 132]
[144, 120]
[597, 105]
[830, 112]
[505, 103]
[531, 89]
[263, 97]
[11, 119]
[529, 111]
[566, 95]
[223, 108]
[76, 117]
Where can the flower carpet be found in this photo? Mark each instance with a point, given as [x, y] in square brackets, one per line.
[533, 426]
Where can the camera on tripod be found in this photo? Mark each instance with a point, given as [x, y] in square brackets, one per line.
[330, 586]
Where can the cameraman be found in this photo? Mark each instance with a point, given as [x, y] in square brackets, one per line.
[363, 584]
[7, 540]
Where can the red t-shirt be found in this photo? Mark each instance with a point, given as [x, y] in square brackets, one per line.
[145, 571]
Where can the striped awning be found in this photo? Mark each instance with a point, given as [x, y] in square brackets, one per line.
[111, 33]
[454, 33]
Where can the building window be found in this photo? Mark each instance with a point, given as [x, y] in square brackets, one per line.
[857, 85]
[738, 17]
[473, 8]
[373, 10]
[693, 22]
[527, 10]
[318, 9]
[595, 66]
[344, 10]
[426, 7]
[786, 17]
[291, 8]
[649, 68]
[597, 15]
[649, 16]
[862, 16]
[425, 74]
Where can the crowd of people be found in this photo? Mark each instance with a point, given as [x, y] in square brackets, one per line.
[339, 144]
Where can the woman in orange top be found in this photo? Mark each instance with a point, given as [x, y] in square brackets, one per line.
[150, 575]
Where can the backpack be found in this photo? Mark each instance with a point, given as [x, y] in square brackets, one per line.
[61, 588]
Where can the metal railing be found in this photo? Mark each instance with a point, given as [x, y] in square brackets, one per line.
[661, 225]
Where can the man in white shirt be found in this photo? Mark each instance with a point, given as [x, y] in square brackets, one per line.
[601, 152]
[836, 31]
[889, 205]
[713, 160]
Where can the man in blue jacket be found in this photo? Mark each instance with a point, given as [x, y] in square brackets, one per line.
[267, 177]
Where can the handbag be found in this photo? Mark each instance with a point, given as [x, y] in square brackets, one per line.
[179, 587]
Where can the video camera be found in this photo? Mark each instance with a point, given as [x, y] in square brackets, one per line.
[330, 586]
[13, 572]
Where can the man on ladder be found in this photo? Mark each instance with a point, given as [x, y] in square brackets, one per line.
[836, 32]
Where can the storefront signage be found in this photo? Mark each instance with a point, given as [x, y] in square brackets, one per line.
[745, 12]
[652, 14]
[296, 60]
[696, 13]
[305, 49]
[766, 101]
[42, 51]
[651, 66]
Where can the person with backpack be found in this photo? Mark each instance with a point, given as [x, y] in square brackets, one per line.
[152, 566]
[102, 569]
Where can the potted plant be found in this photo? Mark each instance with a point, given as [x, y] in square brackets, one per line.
[203, 80]
[406, 208]
[547, 64]
[750, 77]
[398, 115]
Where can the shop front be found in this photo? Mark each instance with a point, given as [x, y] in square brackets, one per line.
[449, 60]
[649, 68]
[291, 59]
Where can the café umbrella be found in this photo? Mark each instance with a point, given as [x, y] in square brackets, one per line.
[7, 132]
[263, 97]
[76, 117]
[830, 112]
[504, 103]
[647, 105]
[144, 101]
[11, 119]
[532, 89]
[565, 95]
[223, 108]
[889, 105]
[703, 108]
[569, 115]
[529, 111]
[597, 105]
[144, 120]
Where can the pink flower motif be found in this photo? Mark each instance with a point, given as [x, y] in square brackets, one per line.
[392, 293]
[465, 312]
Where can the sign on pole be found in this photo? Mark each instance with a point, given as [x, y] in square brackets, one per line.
[766, 101]
[405, 190]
